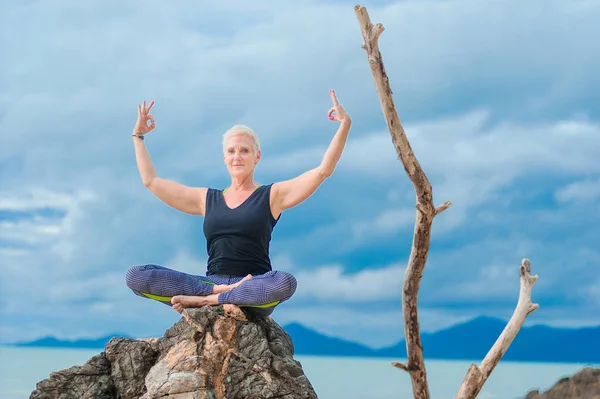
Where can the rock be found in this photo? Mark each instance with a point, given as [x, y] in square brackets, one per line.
[213, 352]
[130, 362]
[90, 381]
[585, 384]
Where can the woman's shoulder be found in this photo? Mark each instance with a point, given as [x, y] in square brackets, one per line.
[266, 186]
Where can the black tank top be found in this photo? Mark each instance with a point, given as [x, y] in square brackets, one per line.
[237, 240]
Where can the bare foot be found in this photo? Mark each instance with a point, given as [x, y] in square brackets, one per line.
[217, 289]
[248, 277]
[180, 302]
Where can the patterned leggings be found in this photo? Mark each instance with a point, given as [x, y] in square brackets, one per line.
[257, 296]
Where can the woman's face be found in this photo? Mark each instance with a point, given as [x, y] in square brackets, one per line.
[239, 156]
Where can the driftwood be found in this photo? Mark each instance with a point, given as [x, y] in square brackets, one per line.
[425, 212]
[477, 375]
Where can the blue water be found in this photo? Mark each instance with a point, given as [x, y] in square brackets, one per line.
[332, 377]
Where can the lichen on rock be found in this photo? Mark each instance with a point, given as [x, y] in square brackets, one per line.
[213, 352]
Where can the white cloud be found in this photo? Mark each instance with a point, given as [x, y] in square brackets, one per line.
[283, 262]
[330, 283]
[489, 282]
[387, 222]
[463, 147]
[206, 79]
[106, 286]
[593, 291]
[468, 164]
[296, 161]
[480, 278]
[41, 232]
[13, 252]
[67, 109]
[44, 289]
[581, 191]
[185, 262]
[35, 198]
[81, 266]
[35, 231]
[26, 227]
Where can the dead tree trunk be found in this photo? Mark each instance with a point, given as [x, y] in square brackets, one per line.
[425, 209]
[425, 212]
[478, 375]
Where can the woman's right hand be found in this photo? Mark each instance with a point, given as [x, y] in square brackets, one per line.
[141, 126]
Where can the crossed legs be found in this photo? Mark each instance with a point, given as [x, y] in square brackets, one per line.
[259, 294]
[180, 302]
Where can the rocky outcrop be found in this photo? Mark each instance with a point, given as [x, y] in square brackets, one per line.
[585, 384]
[211, 353]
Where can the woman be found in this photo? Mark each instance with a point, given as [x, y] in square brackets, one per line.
[238, 222]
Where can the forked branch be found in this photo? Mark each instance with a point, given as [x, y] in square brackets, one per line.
[477, 375]
[425, 212]
[425, 209]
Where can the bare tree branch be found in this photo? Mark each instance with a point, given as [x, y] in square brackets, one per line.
[425, 210]
[442, 207]
[401, 366]
[476, 376]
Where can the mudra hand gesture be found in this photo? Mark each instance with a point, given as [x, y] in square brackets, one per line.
[340, 113]
[141, 126]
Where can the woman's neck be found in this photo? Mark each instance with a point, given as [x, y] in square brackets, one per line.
[242, 184]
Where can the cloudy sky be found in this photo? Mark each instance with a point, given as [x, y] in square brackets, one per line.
[499, 99]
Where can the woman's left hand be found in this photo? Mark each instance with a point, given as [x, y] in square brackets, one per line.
[340, 113]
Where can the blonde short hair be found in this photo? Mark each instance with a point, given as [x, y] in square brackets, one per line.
[242, 129]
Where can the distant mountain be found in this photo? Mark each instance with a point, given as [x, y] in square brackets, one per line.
[467, 341]
[473, 339]
[51, 342]
[309, 342]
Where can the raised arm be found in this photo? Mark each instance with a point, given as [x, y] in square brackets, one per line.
[183, 198]
[289, 193]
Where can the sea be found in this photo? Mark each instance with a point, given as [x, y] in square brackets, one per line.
[331, 377]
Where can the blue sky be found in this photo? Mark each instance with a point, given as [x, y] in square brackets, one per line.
[500, 102]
